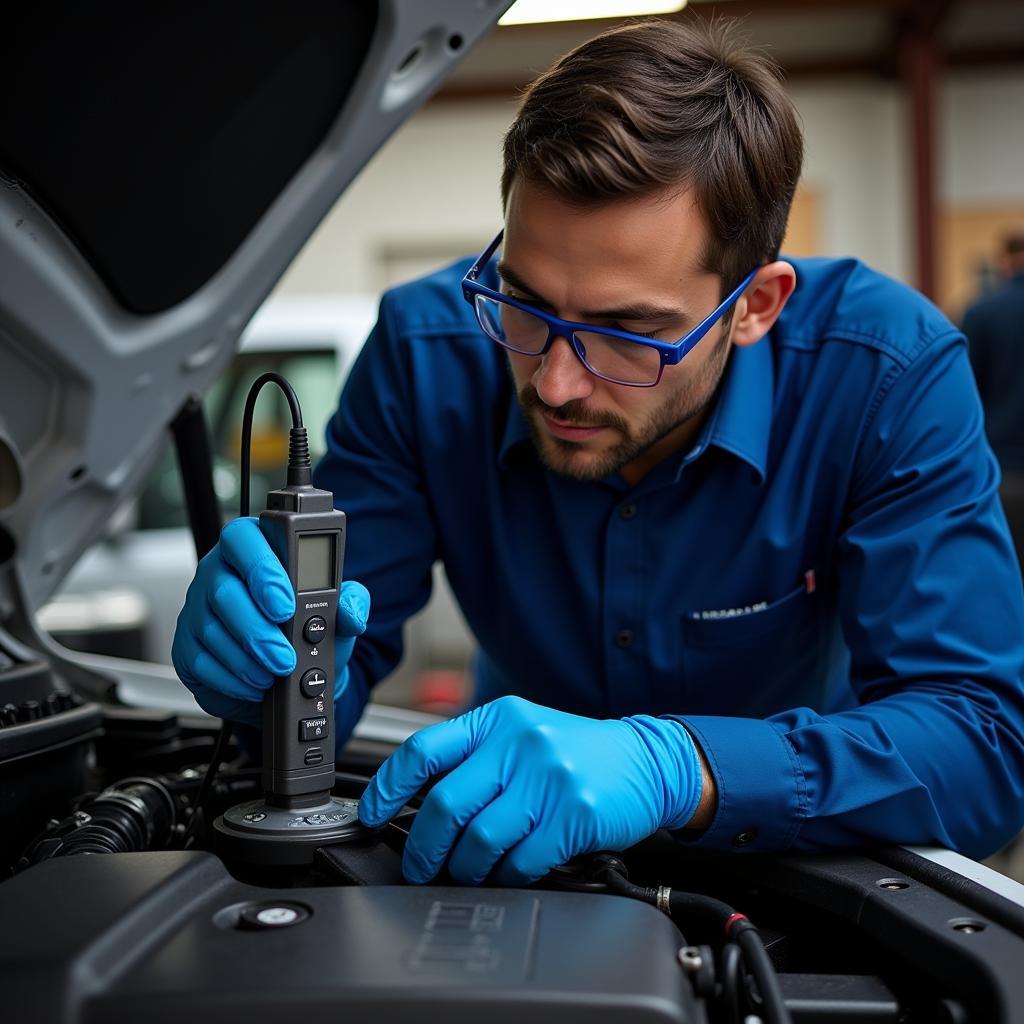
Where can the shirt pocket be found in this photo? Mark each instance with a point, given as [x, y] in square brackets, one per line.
[758, 662]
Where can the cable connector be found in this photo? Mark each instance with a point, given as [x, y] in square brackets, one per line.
[300, 473]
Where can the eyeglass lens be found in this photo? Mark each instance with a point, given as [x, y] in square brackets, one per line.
[613, 358]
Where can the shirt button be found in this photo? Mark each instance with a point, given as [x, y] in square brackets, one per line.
[627, 511]
[624, 637]
[744, 838]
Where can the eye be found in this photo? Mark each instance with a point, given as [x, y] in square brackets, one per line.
[514, 293]
[639, 334]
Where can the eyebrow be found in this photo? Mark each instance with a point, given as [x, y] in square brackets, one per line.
[639, 311]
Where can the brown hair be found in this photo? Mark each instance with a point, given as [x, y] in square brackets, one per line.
[659, 103]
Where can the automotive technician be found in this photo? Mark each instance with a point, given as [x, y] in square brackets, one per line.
[762, 595]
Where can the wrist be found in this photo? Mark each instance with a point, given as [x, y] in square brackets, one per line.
[708, 802]
[678, 774]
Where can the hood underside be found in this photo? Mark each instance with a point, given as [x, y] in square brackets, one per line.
[159, 170]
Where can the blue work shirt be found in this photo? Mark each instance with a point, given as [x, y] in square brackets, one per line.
[822, 589]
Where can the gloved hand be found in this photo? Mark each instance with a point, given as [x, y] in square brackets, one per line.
[534, 786]
[227, 647]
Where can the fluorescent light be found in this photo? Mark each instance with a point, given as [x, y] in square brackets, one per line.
[530, 12]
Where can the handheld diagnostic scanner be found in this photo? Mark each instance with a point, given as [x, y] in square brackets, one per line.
[297, 814]
[307, 534]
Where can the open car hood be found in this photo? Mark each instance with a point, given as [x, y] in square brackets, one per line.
[159, 170]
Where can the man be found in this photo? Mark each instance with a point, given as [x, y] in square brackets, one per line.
[993, 328]
[760, 594]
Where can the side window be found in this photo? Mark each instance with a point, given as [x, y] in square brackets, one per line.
[313, 372]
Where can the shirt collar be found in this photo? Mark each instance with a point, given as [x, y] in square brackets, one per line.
[742, 419]
[517, 429]
[740, 422]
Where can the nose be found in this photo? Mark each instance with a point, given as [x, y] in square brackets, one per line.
[561, 376]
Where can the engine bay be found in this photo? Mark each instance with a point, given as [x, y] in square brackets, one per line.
[124, 901]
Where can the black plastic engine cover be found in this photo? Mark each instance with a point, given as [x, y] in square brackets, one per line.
[167, 937]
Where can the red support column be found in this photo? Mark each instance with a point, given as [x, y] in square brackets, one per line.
[919, 64]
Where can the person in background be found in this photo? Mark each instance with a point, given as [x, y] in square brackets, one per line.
[994, 326]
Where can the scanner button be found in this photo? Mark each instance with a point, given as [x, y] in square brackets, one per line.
[313, 729]
[315, 629]
[313, 756]
[313, 682]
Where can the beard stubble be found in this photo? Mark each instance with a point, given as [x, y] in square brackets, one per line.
[690, 402]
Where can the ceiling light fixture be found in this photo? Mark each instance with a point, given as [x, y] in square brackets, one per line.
[530, 12]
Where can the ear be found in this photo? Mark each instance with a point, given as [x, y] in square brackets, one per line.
[762, 302]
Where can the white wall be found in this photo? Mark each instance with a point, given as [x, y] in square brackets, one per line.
[981, 151]
[856, 158]
[433, 187]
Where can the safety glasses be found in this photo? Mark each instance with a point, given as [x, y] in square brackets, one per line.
[619, 357]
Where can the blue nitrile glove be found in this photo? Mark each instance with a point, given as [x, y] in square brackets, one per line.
[535, 787]
[227, 647]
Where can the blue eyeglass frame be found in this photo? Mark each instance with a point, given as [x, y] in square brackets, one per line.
[671, 352]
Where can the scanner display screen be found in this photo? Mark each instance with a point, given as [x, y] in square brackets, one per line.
[316, 562]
